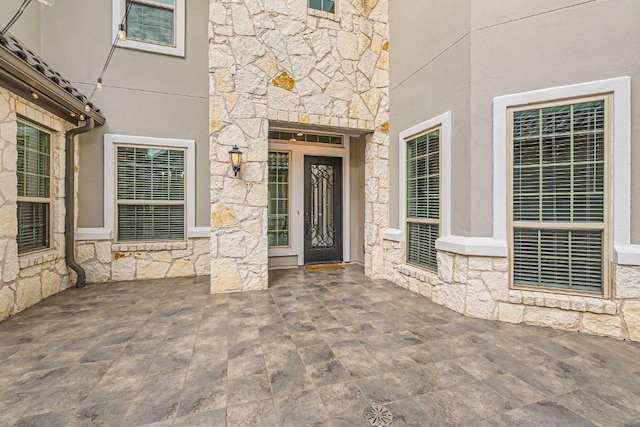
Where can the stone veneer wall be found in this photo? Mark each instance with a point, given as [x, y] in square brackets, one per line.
[278, 61]
[105, 261]
[479, 287]
[30, 278]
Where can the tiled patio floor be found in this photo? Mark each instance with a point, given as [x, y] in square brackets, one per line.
[315, 349]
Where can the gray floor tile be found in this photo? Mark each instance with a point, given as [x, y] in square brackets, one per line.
[407, 413]
[314, 349]
[382, 389]
[248, 389]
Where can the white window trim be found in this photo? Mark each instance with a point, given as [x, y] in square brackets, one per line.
[623, 252]
[177, 50]
[444, 122]
[110, 141]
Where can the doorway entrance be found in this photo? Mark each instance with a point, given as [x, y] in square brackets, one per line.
[322, 209]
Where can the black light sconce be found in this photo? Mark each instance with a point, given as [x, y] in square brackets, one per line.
[235, 155]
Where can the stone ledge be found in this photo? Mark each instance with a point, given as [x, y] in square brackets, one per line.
[148, 247]
[417, 273]
[322, 14]
[564, 302]
[320, 120]
[29, 260]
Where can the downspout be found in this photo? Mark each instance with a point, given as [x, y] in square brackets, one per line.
[69, 202]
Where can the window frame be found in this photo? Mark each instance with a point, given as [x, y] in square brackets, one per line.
[324, 13]
[127, 202]
[408, 220]
[110, 142]
[289, 185]
[605, 226]
[178, 49]
[51, 211]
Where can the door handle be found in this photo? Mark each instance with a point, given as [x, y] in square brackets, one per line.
[307, 225]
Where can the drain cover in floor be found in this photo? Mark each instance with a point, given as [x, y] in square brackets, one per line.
[378, 416]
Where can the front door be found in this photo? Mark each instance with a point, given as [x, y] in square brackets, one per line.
[322, 209]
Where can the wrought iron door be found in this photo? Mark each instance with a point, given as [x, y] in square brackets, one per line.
[322, 209]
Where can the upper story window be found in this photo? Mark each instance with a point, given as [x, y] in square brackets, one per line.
[152, 25]
[323, 5]
[423, 199]
[559, 195]
[34, 188]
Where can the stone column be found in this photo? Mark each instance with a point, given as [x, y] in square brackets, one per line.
[238, 116]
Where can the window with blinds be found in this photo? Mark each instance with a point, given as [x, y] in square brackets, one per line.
[323, 5]
[34, 188]
[423, 199]
[150, 193]
[278, 208]
[559, 197]
[151, 21]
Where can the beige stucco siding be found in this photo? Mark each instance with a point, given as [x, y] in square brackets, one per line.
[430, 75]
[27, 28]
[458, 56]
[145, 94]
[583, 43]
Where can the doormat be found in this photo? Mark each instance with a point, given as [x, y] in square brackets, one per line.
[323, 267]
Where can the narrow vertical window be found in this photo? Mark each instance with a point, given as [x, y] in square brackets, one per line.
[150, 193]
[423, 199]
[34, 188]
[559, 196]
[323, 5]
[278, 210]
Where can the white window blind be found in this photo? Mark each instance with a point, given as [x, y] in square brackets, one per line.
[150, 193]
[34, 188]
[559, 196]
[423, 199]
[151, 21]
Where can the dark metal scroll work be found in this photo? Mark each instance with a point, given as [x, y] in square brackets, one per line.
[322, 195]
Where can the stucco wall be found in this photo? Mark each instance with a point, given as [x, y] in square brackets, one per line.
[522, 47]
[27, 28]
[430, 74]
[509, 47]
[145, 94]
[29, 278]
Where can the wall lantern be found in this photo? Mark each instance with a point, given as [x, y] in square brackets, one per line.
[235, 155]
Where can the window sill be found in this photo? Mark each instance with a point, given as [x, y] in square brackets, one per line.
[322, 14]
[148, 247]
[37, 258]
[564, 302]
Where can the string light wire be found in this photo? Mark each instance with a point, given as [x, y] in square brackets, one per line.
[17, 16]
[113, 48]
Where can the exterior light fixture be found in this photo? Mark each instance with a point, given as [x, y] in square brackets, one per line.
[87, 108]
[99, 85]
[34, 95]
[235, 156]
[121, 32]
